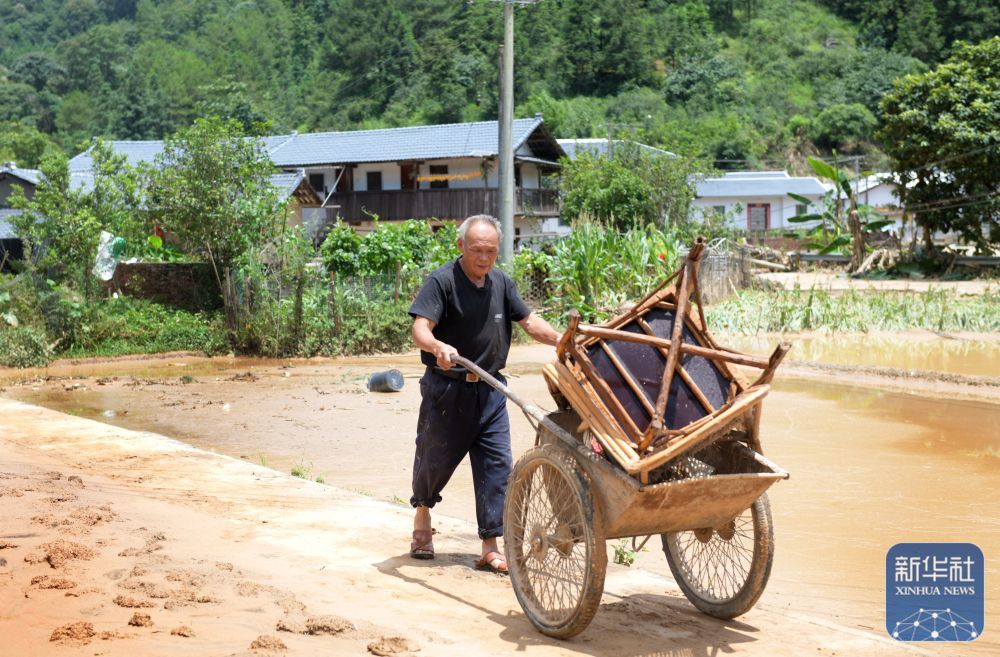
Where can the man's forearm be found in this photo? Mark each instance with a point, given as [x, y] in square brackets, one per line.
[540, 330]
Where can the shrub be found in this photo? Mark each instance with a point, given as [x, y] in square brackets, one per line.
[136, 326]
[22, 346]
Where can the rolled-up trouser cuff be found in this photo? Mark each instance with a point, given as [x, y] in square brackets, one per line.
[496, 532]
[414, 502]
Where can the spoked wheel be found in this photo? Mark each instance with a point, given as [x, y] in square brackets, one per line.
[723, 570]
[556, 558]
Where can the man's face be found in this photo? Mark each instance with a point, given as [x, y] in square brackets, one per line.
[480, 249]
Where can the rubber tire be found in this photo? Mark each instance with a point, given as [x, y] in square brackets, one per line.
[758, 573]
[557, 463]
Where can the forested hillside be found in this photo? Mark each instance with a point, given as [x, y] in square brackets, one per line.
[752, 83]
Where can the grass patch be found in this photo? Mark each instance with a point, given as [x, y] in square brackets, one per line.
[753, 311]
[126, 325]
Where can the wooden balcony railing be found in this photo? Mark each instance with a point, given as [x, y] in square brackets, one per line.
[451, 204]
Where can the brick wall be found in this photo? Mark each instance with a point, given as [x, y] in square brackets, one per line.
[186, 285]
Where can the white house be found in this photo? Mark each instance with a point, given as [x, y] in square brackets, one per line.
[880, 192]
[758, 200]
[441, 172]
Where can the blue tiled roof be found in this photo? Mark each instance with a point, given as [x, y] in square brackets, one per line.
[287, 183]
[6, 227]
[28, 175]
[743, 184]
[134, 151]
[429, 142]
[599, 146]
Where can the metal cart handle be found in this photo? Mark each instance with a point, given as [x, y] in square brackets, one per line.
[529, 409]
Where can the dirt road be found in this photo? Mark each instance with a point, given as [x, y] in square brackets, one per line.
[232, 550]
[124, 543]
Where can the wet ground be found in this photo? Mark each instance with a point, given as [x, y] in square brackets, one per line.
[870, 467]
[916, 350]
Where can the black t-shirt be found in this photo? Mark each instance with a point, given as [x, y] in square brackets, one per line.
[474, 320]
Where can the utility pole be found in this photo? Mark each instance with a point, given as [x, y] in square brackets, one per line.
[505, 163]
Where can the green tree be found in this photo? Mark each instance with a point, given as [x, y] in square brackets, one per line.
[942, 133]
[24, 144]
[39, 70]
[843, 124]
[58, 228]
[605, 190]
[630, 187]
[608, 46]
[211, 189]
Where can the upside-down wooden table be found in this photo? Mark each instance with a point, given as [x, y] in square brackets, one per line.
[657, 432]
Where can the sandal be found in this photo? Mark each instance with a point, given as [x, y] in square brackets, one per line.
[422, 547]
[493, 562]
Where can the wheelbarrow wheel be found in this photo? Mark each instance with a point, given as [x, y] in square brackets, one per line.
[556, 558]
[723, 570]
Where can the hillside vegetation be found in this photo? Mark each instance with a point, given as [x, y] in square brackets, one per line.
[752, 83]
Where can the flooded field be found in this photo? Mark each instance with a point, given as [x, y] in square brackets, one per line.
[919, 350]
[870, 468]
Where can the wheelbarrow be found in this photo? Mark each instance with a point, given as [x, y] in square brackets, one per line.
[622, 459]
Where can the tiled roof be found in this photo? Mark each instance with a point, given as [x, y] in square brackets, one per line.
[134, 151]
[599, 146]
[745, 184]
[287, 183]
[6, 227]
[428, 142]
[28, 175]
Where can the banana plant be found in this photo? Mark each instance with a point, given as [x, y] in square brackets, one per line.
[836, 233]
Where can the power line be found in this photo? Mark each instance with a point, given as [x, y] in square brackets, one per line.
[931, 165]
[930, 205]
[955, 205]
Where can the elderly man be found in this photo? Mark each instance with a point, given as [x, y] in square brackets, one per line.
[466, 307]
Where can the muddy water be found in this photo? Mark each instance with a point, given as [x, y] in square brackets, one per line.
[909, 351]
[869, 468]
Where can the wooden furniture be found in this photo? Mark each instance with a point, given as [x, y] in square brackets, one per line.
[649, 388]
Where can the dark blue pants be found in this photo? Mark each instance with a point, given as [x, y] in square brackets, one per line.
[459, 418]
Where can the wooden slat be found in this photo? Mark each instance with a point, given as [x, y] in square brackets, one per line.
[604, 391]
[602, 426]
[727, 371]
[685, 348]
[673, 354]
[691, 383]
[569, 334]
[647, 302]
[629, 379]
[675, 448]
[772, 364]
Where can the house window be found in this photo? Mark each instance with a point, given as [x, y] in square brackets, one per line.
[318, 182]
[439, 170]
[373, 181]
[517, 175]
[801, 209]
[719, 210]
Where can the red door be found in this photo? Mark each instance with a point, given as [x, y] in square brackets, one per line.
[758, 217]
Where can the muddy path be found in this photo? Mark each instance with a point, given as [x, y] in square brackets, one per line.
[871, 462]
